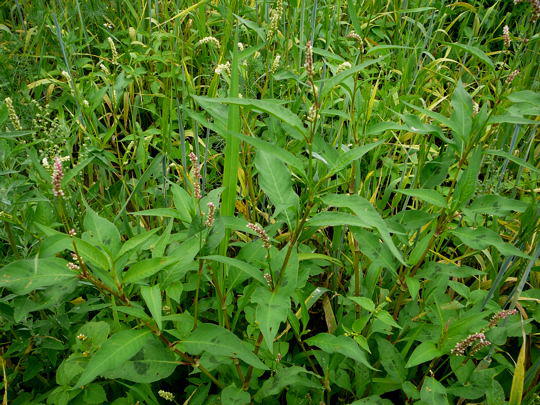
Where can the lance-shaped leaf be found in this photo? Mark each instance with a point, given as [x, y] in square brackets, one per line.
[152, 298]
[152, 363]
[365, 212]
[272, 310]
[218, 341]
[481, 238]
[119, 348]
[340, 344]
[24, 276]
[275, 180]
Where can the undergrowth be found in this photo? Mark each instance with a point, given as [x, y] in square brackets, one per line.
[304, 202]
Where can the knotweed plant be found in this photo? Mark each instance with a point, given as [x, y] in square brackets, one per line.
[266, 202]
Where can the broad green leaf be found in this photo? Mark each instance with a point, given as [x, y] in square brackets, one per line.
[54, 244]
[496, 205]
[272, 107]
[433, 392]
[331, 83]
[285, 377]
[153, 362]
[183, 202]
[511, 119]
[279, 153]
[271, 311]
[346, 158]
[135, 242]
[424, 352]
[275, 180]
[119, 348]
[289, 278]
[234, 395]
[92, 255]
[466, 184]
[386, 318]
[152, 298]
[462, 115]
[481, 238]
[334, 218]
[318, 256]
[525, 96]
[477, 52]
[431, 196]
[413, 284]
[96, 332]
[340, 344]
[247, 268]
[363, 209]
[146, 268]
[391, 360]
[24, 276]
[218, 341]
[364, 302]
[102, 231]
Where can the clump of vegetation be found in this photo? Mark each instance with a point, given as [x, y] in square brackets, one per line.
[305, 202]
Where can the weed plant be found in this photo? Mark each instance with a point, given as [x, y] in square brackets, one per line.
[301, 202]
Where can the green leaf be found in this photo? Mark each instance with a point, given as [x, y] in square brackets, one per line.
[285, 377]
[119, 348]
[365, 212]
[364, 302]
[153, 362]
[272, 107]
[331, 83]
[146, 268]
[102, 231]
[424, 352]
[234, 395]
[92, 254]
[218, 341]
[462, 115]
[275, 180]
[391, 360]
[433, 392]
[514, 159]
[334, 218]
[24, 276]
[271, 311]
[431, 196]
[152, 298]
[345, 159]
[159, 212]
[516, 391]
[340, 344]
[183, 202]
[135, 242]
[477, 52]
[496, 205]
[250, 270]
[466, 184]
[481, 238]
[387, 319]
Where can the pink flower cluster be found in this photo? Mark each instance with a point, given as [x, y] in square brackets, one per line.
[476, 340]
[211, 214]
[196, 174]
[57, 176]
[262, 234]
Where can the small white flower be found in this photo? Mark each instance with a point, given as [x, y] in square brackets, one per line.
[223, 68]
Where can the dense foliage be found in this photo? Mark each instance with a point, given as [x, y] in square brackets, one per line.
[299, 202]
